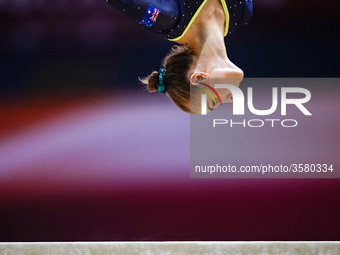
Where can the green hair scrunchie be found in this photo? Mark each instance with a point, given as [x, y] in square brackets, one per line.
[161, 86]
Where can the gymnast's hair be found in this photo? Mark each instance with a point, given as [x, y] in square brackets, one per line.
[177, 84]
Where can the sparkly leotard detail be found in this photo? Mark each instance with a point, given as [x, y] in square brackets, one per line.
[172, 18]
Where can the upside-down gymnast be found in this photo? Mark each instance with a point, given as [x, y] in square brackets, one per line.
[199, 26]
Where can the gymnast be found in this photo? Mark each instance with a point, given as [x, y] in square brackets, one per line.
[199, 27]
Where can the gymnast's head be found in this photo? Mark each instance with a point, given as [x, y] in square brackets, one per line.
[182, 73]
[176, 82]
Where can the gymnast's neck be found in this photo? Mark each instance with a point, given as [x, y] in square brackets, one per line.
[206, 34]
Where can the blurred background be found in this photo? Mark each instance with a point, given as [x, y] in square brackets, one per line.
[86, 154]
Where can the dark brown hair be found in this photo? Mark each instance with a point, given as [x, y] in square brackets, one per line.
[177, 84]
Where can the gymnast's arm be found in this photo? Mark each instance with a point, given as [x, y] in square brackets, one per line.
[146, 12]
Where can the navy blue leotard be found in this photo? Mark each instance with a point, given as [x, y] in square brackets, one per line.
[173, 18]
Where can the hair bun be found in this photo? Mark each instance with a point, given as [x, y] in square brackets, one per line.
[153, 81]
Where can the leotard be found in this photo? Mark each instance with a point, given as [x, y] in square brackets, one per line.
[172, 18]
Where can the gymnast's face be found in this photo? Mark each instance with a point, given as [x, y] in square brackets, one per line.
[225, 74]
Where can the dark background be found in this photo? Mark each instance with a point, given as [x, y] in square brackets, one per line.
[57, 57]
